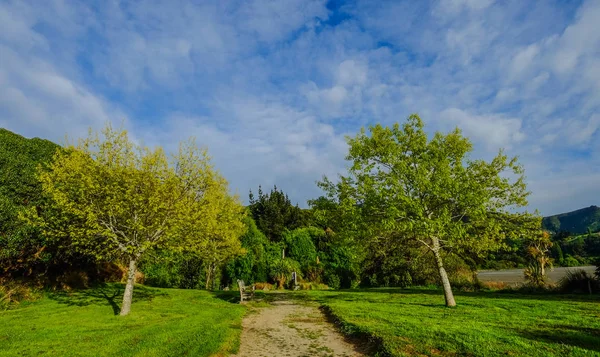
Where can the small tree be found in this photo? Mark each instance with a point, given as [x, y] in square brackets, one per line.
[538, 252]
[274, 213]
[428, 191]
[114, 199]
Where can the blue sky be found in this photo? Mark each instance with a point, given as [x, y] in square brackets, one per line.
[272, 87]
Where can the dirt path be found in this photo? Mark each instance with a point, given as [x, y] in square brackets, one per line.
[288, 329]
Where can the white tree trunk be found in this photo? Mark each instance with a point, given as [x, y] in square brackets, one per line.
[448, 295]
[128, 295]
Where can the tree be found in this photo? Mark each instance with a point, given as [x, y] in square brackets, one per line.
[252, 266]
[114, 199]
[274, 213]
[429, 191]
[538, 252]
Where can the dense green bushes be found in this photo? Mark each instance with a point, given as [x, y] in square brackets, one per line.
[25, 253]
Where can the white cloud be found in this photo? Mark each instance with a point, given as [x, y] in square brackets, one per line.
[37, 100]
[350, 73]
[524, 58]
[272, 86]
[492, 131]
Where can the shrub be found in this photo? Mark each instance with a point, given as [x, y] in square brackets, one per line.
[494, 285]
[263, 286]
[314, 273]
[312, 286]
[300, 245]
[464, 279]
[333, 281]
[578, 281]
[533, 275]
[281, 271]
[570, 261]
[13, 293]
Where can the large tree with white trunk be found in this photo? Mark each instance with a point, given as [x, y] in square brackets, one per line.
[402, 183]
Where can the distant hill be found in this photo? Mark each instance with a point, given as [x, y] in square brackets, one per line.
[578, 221]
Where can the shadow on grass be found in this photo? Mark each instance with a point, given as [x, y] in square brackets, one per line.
[105, 294]
[259, 295]
[228, 296]
[582, 337]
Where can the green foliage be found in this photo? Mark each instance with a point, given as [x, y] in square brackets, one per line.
[412, 322]
[113, 199]
[281, 271]
[24, 252]
[173, 269]
[579, 222]
[578, 281]
[557, 254]
[274, 213]
[301, 247]
[13, 293]
[251, 267]
[401, 183]
[538, 253]
[169, 322]
[570, 261]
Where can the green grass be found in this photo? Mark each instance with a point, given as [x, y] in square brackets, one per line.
[163, 322]
[416, 322]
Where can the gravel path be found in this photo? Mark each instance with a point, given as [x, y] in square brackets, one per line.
[288, 329]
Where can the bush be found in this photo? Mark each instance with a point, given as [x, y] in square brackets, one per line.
[252, 266]
[463, 278]
[312, 286]
[578, 281]
[263, 286]
[300, 245]
[570, 261]
[281, 271]
[333, 281]
[13, 293]
[494, 285]
[533, 275]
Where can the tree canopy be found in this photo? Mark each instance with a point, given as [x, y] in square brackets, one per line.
[274, 213]
[430, 191]
[115, 199]
[21, 247]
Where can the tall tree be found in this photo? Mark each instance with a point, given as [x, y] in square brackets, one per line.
[429, 191]
[274, 213]
[112, 198]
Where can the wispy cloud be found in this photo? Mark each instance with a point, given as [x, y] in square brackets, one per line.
[272, 87]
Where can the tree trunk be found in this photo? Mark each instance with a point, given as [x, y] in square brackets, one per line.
[208, 277]
[448, 295]
[128, 296]
[542, 264]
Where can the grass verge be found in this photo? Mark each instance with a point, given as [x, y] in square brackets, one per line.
[163, 322]
[415, 322]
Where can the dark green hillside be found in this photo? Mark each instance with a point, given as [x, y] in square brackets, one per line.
[579, 221]
[19, 158]
[19, 188]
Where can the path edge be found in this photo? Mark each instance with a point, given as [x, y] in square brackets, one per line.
[373, 345]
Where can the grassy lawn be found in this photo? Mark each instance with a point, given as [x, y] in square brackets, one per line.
[415, 322]
[163, 322]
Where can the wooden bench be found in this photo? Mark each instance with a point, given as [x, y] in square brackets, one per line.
[246, 293]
